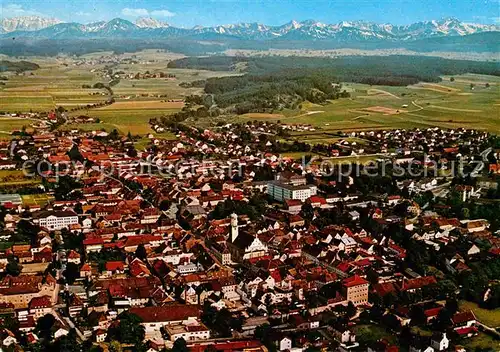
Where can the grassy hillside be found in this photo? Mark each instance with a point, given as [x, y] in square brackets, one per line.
[17, 66]
[451, 103]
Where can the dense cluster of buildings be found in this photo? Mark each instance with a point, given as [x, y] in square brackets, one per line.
[218, 241]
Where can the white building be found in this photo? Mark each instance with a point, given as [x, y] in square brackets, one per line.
[440, 344]
[56, 220]
[281, 191]
[187, 268]
[154, 318]
[288, 185]
[191, 332]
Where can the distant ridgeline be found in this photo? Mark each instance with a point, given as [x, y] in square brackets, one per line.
[19, 66]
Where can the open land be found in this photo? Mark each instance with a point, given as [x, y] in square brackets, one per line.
[16, 178]
[485, 316]
[484, 56]
[59, 82]
[469, 101]
[449, 104]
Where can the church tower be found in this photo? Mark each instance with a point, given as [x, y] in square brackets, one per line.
[234, 227]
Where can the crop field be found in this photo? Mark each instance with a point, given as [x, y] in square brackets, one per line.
[60, 81]
[260, 115]
[135, 121]
[152, 87]
[144, 104]
[127, 116]
[485, 316]
[36, 199]
[468, 100]
[449, 104]
[142, 143]
[10, 124]
[16, 178]
[54, 84]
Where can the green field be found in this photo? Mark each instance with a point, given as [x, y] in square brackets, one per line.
[9, 124]
[135, 121]
[481, 341]
[144, 142]
[369, 333]
[447, 104]
[488, 317]
[59, 81]
[56, 83]
[10, 178]
[36, 199]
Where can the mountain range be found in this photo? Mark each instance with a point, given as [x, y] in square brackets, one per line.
[26, 23]
[150, 28]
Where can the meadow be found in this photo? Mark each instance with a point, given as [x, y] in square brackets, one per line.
[450, 104]
[9, 124]
[469, 100]
[485, 316]
[60, 81]
[15, 178]
[36, 199]
[55, 84]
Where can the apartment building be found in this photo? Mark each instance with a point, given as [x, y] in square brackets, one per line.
[56, 220]
[288, 185]
[356, 290]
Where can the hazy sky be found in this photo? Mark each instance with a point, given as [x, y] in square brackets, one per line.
[188, 13]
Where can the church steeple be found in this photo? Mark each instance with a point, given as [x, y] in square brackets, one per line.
[234, 227]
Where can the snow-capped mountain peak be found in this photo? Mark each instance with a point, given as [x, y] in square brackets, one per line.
[26, 23]
[344, 31]
[149, 22]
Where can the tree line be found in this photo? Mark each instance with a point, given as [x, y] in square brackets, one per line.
[397, 70]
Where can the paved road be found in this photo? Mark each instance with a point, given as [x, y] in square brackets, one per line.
[489, 328]
[71, 325]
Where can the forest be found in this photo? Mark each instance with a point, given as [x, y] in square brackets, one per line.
[53, 47]
[285, 82]
[19, 66]
[284, 89]
[389, 70]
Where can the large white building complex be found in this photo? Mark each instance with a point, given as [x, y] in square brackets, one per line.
[288, 185]
[56, 220]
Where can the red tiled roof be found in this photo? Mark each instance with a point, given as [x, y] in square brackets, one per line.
[394, 197]
[40, 302]
[93, 241]
[141, 239]
[432, 312]
[384, 288]
[138, 268]
[174, 312]
[73, 255]
[418, 283]
[58, 158]
[317, 199]
[114, 266]
[463, 317]
[466, 330]
[495, 251]
[85, 267]
[343, 266]
[354, 281]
